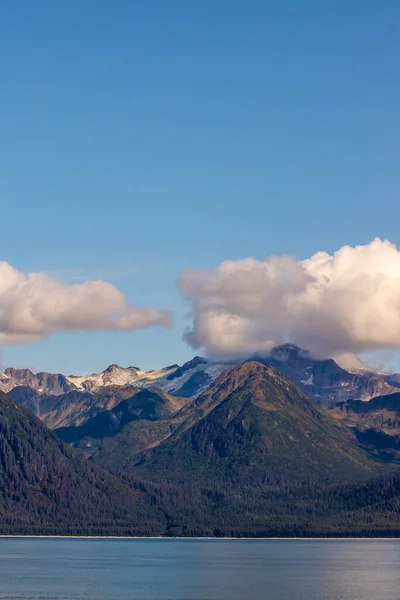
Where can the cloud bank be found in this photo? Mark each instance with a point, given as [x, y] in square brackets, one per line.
[34, 305]
[348, 302]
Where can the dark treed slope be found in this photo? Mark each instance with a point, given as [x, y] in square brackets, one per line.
[47, 488]
[253, 456]
[362, 509]
[382, 411]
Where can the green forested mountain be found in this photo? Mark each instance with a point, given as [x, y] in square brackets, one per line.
[46, 487]
[252, 456]
[255, 424]
[324, 380]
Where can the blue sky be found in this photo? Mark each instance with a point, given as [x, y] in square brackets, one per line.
[141, 138]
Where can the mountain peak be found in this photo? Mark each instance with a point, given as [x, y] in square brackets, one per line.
[252, 372]
[256, 423]
[288, 351]
[187, 366]
[247, 375]
[11, 371]
[35, 461]
[112, 368]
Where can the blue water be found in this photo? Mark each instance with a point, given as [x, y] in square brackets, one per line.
[198, 570]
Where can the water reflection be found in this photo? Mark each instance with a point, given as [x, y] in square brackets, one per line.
[199, 570]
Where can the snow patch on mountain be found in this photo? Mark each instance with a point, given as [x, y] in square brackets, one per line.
[309, 380]
[116, 375]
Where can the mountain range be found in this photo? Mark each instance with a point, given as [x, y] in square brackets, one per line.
[86, 411]
[277, 445]
[254, 423]
[323, 380]
[47, 487]
[170, 379]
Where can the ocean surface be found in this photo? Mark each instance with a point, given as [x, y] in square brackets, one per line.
[53, 569]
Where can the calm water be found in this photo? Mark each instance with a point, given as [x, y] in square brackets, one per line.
[201, 570]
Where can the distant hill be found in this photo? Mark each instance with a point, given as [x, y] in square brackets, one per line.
[376, 424]
[324, 380]
[253, 456]
[352, 509]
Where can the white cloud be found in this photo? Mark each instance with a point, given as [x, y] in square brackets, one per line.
[35, 305]
[348, 302]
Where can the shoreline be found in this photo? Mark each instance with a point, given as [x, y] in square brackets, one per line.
[193, 538]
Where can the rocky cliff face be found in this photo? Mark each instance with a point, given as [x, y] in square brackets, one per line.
[43, 382]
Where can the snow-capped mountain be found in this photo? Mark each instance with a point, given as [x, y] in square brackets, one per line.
[48, 383]
[323, 380]
[188, 380]
[326, 381]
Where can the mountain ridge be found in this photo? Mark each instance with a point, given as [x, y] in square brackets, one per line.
[376, 424]
[322, 379]
[46, 487]
[253, 422]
